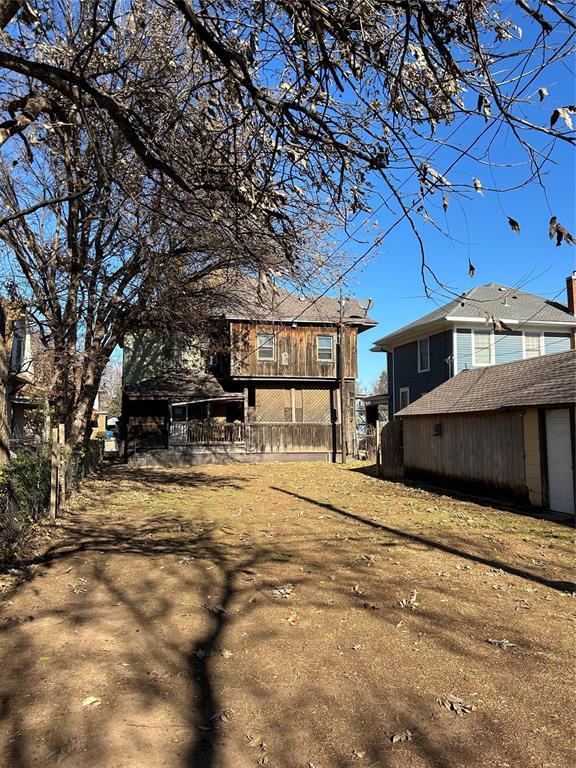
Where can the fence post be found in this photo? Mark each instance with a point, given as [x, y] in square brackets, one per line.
[62, 463]
[378, 435]
[54, 474]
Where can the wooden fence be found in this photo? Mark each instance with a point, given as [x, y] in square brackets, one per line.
[68, 468]
[292, 438]
[389, 450]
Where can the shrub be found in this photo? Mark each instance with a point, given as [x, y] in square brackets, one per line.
[24, 498]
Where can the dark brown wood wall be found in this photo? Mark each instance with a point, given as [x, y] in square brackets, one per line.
[295, 351]
[482, 448]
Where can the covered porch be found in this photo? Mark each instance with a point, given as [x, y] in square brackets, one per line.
[186, 418]
[181, 408]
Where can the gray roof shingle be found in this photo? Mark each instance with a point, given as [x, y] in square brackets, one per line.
[285, 306]
[500, 301]
[539, 381]
[180, 384]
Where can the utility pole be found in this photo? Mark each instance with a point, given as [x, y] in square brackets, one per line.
[343, 406]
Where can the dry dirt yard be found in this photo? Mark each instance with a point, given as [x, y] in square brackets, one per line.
[288, 615]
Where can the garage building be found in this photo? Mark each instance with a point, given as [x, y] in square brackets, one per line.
[505, 430]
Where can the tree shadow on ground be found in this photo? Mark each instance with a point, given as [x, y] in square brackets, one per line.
[563, 586]
[142, 612]
[371, 470]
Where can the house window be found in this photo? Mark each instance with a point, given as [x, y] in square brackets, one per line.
[482, 350]
[424, 355]
[532, 344]
[404, 397]
[265, 346]
[325, 349]
[179, 413]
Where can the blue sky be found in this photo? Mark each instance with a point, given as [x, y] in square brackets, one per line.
[479, 230]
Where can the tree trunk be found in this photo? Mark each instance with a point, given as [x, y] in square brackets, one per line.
[5, 349]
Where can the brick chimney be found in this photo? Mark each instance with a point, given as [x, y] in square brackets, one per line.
[571, 297]
[571, 292]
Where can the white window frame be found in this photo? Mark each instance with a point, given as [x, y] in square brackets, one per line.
[532, 333]
[423, 370]
[260, 347]
[325, 359]
[402, 390]
[490, 347]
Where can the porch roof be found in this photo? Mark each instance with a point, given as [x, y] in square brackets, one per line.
[180, 385]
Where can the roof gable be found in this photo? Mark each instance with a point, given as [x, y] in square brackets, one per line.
[493, 299]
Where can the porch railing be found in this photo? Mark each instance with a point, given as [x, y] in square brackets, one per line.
[185, 432]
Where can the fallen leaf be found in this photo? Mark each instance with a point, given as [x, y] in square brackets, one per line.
[504, 644]
[226, 653]
[409, 602]
[401, 736]
[359, 754]
[285, 591]
[91, 701]
[455, 704]
[216, 609]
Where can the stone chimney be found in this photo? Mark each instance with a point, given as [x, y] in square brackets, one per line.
[571, 300]
[571, 292]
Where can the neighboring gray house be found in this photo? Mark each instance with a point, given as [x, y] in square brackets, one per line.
[507, 430]
[485, 326]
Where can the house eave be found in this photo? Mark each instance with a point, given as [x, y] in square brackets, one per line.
[401, 337]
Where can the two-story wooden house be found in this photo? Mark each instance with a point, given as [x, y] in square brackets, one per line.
[278, 387]
[485, 326]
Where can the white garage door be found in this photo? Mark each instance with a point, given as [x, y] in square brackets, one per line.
[560, 462]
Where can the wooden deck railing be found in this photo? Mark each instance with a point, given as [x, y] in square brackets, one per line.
[186, 432]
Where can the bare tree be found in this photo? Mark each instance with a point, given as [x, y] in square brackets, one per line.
[151, 148]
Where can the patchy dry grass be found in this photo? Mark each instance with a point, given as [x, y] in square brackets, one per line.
[289, 615]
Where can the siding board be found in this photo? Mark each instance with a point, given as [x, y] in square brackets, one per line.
[480, 449]
[295, 351]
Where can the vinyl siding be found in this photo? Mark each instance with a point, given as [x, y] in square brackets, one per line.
[508, 347]
[405, 367]
[556, 342]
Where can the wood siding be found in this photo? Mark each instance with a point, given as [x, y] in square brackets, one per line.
[482, 450]
[292, 438]
[295, 351]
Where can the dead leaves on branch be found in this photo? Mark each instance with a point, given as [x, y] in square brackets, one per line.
[566, 114]
[560, 231]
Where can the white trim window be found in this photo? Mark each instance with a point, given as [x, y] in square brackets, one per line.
[325, 349]
[265, 346]
[404, 397]
[424, 355]
[482, 348]
[533, 344]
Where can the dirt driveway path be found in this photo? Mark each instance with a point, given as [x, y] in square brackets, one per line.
[289, 615]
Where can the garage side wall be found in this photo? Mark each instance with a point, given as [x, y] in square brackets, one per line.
[533, 457]
[483, 452]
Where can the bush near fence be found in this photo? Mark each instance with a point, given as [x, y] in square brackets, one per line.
[24, 498]
[25, 491]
